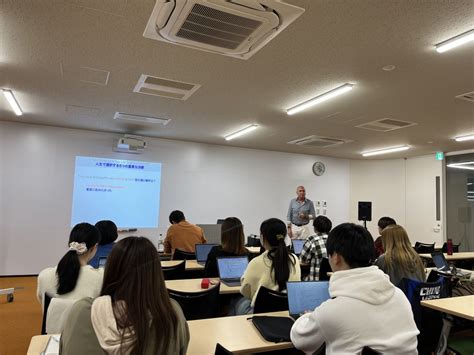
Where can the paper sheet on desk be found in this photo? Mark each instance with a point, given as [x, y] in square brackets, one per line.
[52, 348]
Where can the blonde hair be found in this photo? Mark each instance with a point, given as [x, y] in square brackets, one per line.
[399, 253]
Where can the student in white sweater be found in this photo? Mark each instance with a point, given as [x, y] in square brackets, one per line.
[72, 278]
[272, 269]
[365, 309]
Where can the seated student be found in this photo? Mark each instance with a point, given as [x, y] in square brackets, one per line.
[133, 315]
[383, 223]
[271, 269]
[232, 239]
[108, 236]
[365, 308]
[182, 235]
[314, 249]
[73, 278]
[400, 260]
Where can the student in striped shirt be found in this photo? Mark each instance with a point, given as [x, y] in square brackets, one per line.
[314, 249]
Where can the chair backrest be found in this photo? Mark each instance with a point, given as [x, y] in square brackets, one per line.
[424, 248]
[198, 305]
[183, 255]
[270, 301]
[324, 268]
[429, 322]
[174, 272]
[444, 249]
[46, 302]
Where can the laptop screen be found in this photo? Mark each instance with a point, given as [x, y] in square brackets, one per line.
[306, 295]
[439, 260]
[232, 267]
[202, 250]
[298, 245]
[102, 261]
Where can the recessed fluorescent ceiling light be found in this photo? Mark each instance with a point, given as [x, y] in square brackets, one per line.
[12, 101]
[455, 41]
[241, 132]
[462, 165]
[465, 138]
[385, 151]
[321, 98]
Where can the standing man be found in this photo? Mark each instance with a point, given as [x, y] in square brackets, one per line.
[300, 212]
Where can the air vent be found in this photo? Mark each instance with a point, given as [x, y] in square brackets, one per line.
[236, 28]
[171, 89]
[319, 141]
[386, 125]
[469, 96]
[142, 119]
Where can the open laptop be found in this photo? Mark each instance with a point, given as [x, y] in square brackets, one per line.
[442, 266]
[298, 245]
[102, 261]
[231, 269]
[202, 251]
[306, 296]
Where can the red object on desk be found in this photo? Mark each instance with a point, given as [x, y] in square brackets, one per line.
[449, 247]
[205, 283]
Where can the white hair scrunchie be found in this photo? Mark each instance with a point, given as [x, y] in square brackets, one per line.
[79, 248]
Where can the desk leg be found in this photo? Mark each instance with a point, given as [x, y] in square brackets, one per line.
[443, 338]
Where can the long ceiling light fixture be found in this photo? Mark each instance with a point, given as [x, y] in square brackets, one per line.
[468, 165]
[454, 42]
[12, 101]
[318, 99]
[469, 137]
[385, 151]
[241, 132]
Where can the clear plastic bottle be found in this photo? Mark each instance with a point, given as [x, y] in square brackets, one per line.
[161, 246]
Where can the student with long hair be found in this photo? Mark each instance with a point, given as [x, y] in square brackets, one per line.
[72, 278]
[271, 269]
[232, 244]
[133, 315]
[108, 236]
[400, 260]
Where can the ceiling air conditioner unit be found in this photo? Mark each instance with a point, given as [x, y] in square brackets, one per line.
[130, 144]
[235, 28]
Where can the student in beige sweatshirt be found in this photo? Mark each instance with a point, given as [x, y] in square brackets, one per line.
[133, 315]
[272, 269]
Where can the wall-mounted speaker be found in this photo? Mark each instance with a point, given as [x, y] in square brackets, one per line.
[365, 211]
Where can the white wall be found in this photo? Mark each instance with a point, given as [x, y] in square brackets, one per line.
[403, 189]
[206, 181]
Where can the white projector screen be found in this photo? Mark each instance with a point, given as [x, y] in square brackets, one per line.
[124, 191]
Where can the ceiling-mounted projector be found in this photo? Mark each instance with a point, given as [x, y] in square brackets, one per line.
[130, 144]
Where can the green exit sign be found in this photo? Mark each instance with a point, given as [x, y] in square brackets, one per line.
[439, 156]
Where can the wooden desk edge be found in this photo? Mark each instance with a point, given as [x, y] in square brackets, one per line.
[431, 305]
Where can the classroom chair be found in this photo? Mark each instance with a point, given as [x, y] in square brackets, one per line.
[174, 272]
[198, 305]
[46, 302]
[324, 268]
[270, 301]
[183, 255]
[444, 248]
[424, 248]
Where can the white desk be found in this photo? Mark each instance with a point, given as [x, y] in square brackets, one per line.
[194, 285]
[462, 306]
[469, 255]
[190, 264]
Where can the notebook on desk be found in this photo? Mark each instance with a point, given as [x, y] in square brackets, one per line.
[298, 245]
[306, 296]
[442, 266]
[202, 251]
[231, 269]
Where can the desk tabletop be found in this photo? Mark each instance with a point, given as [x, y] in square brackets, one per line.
[194, 285]
[236, 334]
[456, 256]
[254, 250]
[38, 344]
[462, 306]
[190, 264]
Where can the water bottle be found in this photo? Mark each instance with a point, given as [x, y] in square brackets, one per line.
[161, 246]
[450, 247]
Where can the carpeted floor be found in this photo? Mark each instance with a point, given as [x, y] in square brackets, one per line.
[21, 319]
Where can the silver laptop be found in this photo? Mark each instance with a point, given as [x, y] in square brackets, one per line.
[202, 251]
[442, 266]
[306, 296]
[298, 245]
[231, 269]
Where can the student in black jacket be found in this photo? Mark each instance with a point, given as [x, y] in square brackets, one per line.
[232, 244]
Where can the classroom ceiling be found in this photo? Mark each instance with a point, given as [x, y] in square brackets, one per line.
[50, 51]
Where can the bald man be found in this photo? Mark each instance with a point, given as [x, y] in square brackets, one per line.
[300, 212]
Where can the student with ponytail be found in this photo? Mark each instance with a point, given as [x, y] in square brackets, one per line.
[73, 278]
[272, 269]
